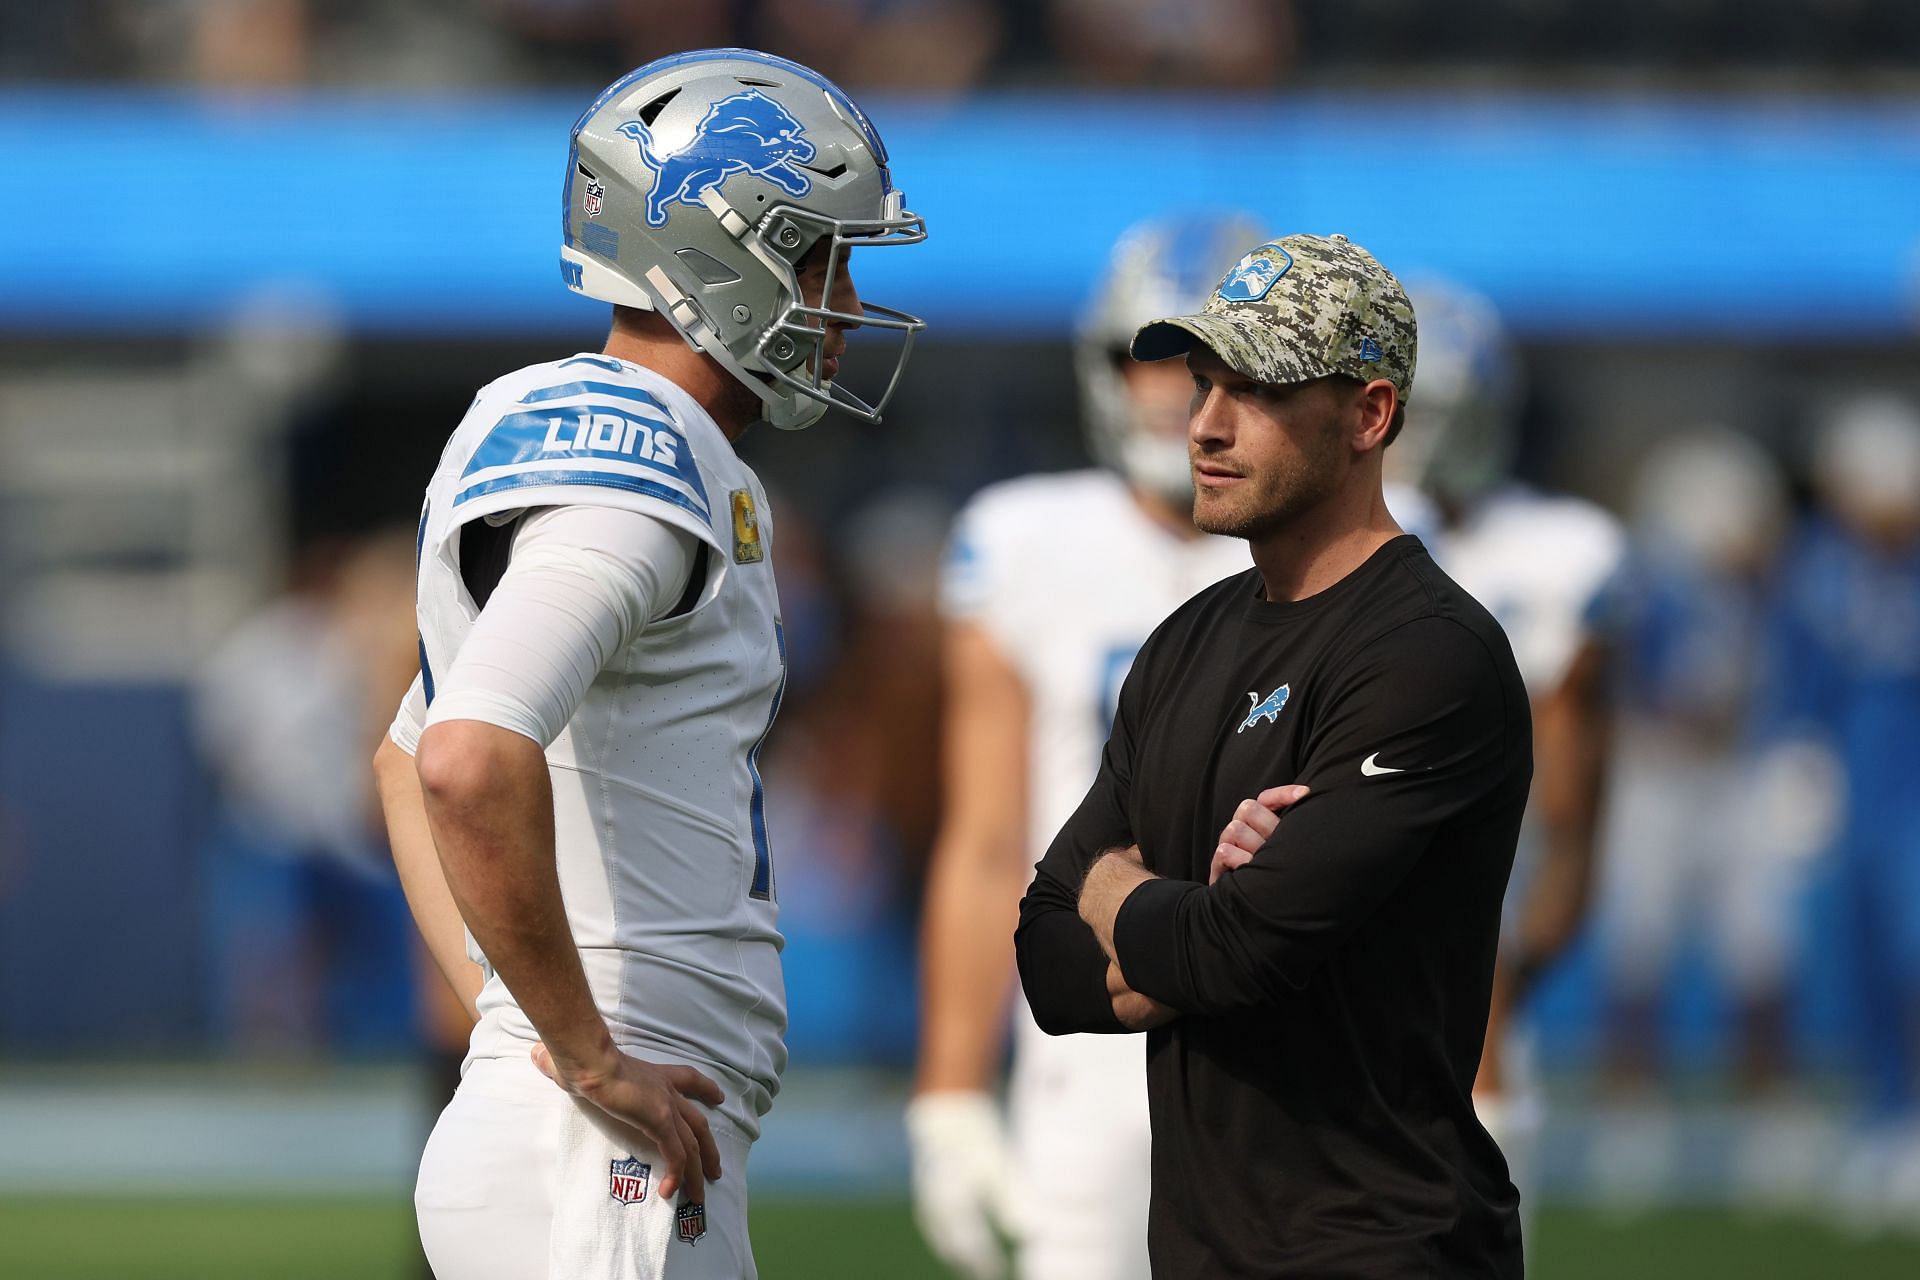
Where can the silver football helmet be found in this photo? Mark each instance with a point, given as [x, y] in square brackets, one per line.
[694, 186]
[1462, 425]
[1161, 267]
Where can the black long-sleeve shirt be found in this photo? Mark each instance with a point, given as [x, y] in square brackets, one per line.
[1312, 1108]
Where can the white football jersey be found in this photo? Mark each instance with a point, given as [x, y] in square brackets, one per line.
[659, 812]
[1542, 565]
[1068, 576]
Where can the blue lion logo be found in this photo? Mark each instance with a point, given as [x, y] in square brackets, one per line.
[746, 133]
[1253, 276]
[1267, 709]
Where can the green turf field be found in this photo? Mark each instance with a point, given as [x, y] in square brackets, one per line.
[837, 1239]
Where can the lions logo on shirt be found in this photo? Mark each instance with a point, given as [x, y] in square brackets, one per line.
[1267, 708]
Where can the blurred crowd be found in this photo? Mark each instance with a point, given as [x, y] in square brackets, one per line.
[933, 46]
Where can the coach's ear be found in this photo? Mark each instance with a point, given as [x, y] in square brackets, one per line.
[1379, 405]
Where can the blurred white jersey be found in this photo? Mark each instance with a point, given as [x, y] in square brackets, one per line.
[659, 813]
[1068, 576]
[1541, 564]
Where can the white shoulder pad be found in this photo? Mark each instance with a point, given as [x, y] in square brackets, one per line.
[577, 436]
[990, 550]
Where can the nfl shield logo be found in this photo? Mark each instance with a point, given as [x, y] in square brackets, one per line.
[590, 202]
[691, 1222]
[627, 1180]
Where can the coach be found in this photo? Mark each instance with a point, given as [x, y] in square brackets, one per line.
[1315, 1009]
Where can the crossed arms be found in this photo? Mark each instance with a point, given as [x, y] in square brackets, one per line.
[1295, 890]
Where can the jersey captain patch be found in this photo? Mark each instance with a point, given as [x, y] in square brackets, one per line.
[747, 547]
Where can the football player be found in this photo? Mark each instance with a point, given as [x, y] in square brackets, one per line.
[1545, 565]
[1052, 584]
[601, 658]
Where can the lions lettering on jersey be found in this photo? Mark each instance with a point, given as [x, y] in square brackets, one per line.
[638, 430]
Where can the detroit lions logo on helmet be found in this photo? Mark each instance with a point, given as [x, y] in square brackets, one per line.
[1254, 275]
[745, 133]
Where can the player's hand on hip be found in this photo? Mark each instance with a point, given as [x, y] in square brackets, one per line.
[1253, 824]
[661, 1101]
[963, 1180]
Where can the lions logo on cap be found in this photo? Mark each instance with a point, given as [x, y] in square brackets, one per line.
[746, 133]
[1254, 275]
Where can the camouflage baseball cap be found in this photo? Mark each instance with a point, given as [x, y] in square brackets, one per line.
[1297, 308]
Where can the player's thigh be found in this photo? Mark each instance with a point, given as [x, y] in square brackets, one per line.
[1083, 1145]
[483, 1197]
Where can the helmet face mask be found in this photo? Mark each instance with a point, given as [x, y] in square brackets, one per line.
[697, 184]
[1160, 267]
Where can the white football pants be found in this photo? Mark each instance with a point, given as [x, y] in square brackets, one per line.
[519, 1182]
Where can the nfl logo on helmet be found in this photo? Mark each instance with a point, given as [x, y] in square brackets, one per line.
[627, 1180]
[596, 192]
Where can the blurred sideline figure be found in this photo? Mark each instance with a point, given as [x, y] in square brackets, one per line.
[1544, 565]
[1697, 831]
[1846, 675]
[1052, 584]
[602, 657]
[306, 922]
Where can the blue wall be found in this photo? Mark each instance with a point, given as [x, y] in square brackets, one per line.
[1731, 219]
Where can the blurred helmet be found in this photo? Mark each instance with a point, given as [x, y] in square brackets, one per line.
[694, 186]
[1710, 497]
[1462, 427]
[1866, 462]
[1162, 267]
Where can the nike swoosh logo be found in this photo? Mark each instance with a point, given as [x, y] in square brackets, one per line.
[1373, 770]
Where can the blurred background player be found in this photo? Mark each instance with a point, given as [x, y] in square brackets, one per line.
[1845, 676]
[1052, 584]
[1543, 565]
[1697, 832]
[601, 660]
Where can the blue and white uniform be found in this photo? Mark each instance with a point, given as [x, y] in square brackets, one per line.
[635, 634]
[1067, 576]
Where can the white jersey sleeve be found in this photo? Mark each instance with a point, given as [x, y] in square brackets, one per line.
[410, 719]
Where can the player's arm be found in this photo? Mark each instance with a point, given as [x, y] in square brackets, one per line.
[978, 869]
[962, 1171]
[1427, 703]
[414, 857]
[581, 583]
[1573, 738]
[1062, 968]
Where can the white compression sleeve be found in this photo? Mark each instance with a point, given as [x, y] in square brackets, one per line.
[582, 583]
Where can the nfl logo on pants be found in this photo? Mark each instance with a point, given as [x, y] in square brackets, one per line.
[627, 1180]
